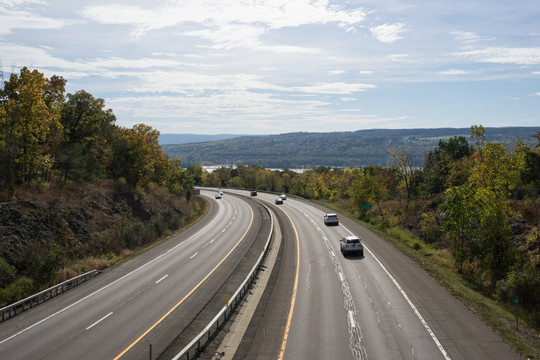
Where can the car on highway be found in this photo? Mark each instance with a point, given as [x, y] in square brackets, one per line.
[253, 193]
[279, 201]
[351, 244]
[331, 219]
[283, 197]
[218, 196]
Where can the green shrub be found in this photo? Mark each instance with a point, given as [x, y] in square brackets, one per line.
[18, 290]
[8, 273]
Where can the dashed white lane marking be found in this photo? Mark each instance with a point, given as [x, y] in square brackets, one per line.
[100, 320]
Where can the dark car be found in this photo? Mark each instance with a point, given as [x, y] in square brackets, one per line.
[279, 201]
[351, 244]
[253, 193]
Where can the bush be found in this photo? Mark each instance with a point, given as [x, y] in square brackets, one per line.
[522, 283]
[8, 273]
[16, 291]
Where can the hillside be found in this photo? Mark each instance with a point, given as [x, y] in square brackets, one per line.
[175, 139]
[334, 149]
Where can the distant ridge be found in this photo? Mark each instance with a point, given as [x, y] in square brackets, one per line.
[176, 139]
[333, 149]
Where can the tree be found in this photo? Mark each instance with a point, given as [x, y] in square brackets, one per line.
[460, 211]
[403, 162]
[367, 188]
[138, 156]
[30, 125]
[438, 164]
[87, 132]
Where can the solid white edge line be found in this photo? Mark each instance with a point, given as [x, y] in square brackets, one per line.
[420, 317]
[100, 320]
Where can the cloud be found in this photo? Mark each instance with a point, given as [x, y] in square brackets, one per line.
[272, 14]
[453, 72]
[334, 88]
[12, 19]
[388, 33]
[504, 55]
[245, 36]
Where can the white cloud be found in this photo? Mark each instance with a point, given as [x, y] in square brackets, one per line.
[274, 14]
[12, 19]
[399, 57]
[334, 88]
[453, 72]
[504, 55]
[388, 33]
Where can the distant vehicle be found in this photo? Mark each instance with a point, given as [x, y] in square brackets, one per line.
[279, 201]
[351, 244]
[221, 193]
[218, 196]
[283, 197]
[253, 193]
[331, 219]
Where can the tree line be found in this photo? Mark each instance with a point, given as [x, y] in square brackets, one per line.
[479, 201]
[48, 136]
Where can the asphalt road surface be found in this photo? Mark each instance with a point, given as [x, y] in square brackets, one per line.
[323, 305]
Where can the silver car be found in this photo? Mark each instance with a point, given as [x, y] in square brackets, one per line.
[351, 244]
[331, 219]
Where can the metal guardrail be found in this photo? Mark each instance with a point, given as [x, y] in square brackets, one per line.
[197, 344]
[14, 309]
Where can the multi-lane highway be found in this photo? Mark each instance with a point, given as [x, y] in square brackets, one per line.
[151, 300]
[318, 304]
[382, 305]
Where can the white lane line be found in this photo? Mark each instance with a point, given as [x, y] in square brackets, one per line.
[192, 256]
[163, 278]
[100, 320]
[415, 310]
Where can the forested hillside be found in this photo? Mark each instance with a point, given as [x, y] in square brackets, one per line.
[76, 190]
[335, 149]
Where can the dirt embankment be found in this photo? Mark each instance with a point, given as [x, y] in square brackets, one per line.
[46, 226]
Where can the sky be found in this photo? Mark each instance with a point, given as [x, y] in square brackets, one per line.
[261, 67]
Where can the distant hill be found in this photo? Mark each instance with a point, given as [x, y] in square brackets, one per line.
[334, 149]
[175, 139]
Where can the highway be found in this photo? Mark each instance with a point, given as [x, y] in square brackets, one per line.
[323, 305]
[318, 304]
[157, 300]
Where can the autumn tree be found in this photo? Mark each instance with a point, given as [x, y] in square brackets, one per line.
[29, 120]
[403, 162]
[138, 157]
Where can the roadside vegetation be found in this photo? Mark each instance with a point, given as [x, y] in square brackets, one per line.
[470, 216]
[78, 192]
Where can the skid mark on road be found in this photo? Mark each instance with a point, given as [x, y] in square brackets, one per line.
[355, 331]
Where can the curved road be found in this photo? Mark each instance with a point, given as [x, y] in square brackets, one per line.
[148, 300]
[322, 305]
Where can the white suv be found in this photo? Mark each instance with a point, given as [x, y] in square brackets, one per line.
[331, 219]
[351, 244]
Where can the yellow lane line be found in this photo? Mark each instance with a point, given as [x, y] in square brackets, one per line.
[188, 295]
[293, 298]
